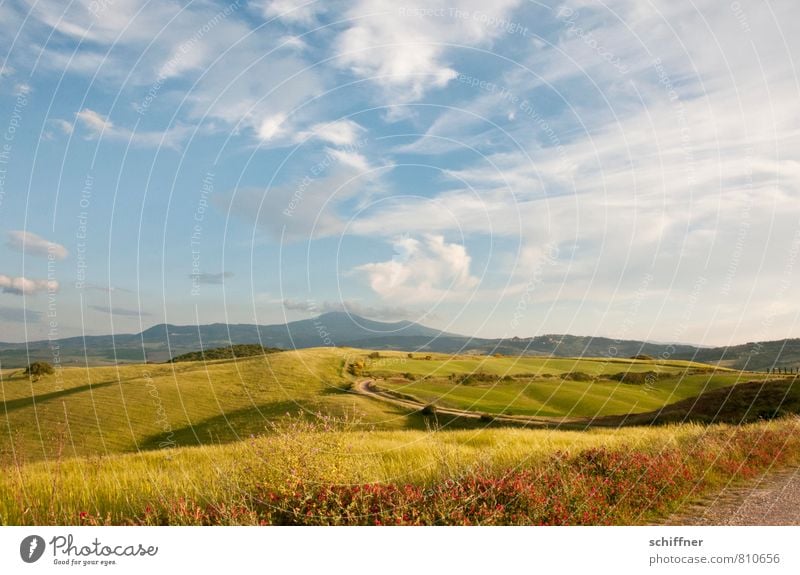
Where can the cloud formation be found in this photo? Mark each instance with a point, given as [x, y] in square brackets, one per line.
[404, 48]
[25, 286]
[211, 278]
[98, 126]
[32, 244]
[422, 271]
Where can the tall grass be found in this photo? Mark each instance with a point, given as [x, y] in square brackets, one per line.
[259, 479]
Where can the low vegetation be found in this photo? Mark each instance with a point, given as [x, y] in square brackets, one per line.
[289, 438]
[329, 473]
[230, 352]
[39, 369]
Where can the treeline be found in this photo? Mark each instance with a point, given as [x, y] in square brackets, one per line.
[230, 352]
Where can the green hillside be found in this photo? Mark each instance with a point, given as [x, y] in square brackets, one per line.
[123, 409]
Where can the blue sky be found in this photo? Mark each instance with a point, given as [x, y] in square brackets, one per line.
[618, 168]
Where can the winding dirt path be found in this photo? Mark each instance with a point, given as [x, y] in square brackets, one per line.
[370, 389]
[774, 499]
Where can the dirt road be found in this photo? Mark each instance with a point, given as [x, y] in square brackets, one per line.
[772, 500]
[369, 388]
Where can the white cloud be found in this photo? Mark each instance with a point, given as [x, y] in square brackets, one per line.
[94, 122]
[426, 270]
[99, 126]
[272, 126]
[308, 204]
[351, 159]
[30, 243]
[290, 11]
[64, 126]
[22, 285]
[339, 133]
[404, 48]
[211, 278]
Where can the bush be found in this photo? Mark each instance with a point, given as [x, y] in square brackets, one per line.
[356, 368]
[374, 355]
[39, 368]
[635, 378]
[429, 409]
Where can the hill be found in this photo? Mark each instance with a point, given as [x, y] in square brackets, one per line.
[337, 329]
[161, 342]
[80, 411]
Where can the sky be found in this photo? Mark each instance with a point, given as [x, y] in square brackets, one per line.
[624, 168]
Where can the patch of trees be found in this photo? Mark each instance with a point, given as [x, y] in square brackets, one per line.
[39, 369]
[576, 376]
[230, 352]
[636, 378]
[478, 378]
[356, 368]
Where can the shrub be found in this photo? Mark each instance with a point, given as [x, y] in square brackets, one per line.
[429, 409]
[374, 355]
[635, 378]
[356, 368]
[39, 368]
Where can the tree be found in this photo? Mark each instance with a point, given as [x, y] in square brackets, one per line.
[39, 369]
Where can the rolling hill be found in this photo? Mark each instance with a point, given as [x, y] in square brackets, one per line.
[337, 329]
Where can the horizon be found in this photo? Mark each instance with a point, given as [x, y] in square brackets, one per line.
[356, 318]
[501, 170]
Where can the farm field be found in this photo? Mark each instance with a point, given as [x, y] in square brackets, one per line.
[217, 441]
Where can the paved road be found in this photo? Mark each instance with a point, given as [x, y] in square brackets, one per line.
[773, 500]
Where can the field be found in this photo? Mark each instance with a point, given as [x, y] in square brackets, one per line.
[567, 390]
[249, 440]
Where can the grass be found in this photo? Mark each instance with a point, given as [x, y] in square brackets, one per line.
[129, 408]
[395, 363]
[300, 458]
[549, 387]
[560, 398]
[215, 441]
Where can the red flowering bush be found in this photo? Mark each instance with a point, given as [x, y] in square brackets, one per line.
[598, 486]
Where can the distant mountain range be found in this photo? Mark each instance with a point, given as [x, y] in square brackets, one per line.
[164, 341]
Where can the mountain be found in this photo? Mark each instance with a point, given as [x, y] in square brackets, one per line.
[164, 341]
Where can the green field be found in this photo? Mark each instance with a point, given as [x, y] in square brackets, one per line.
[105, 410]
[544, 387]
[114, 441]
[130, 408]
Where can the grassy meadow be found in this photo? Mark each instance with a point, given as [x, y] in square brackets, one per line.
[242, 441]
